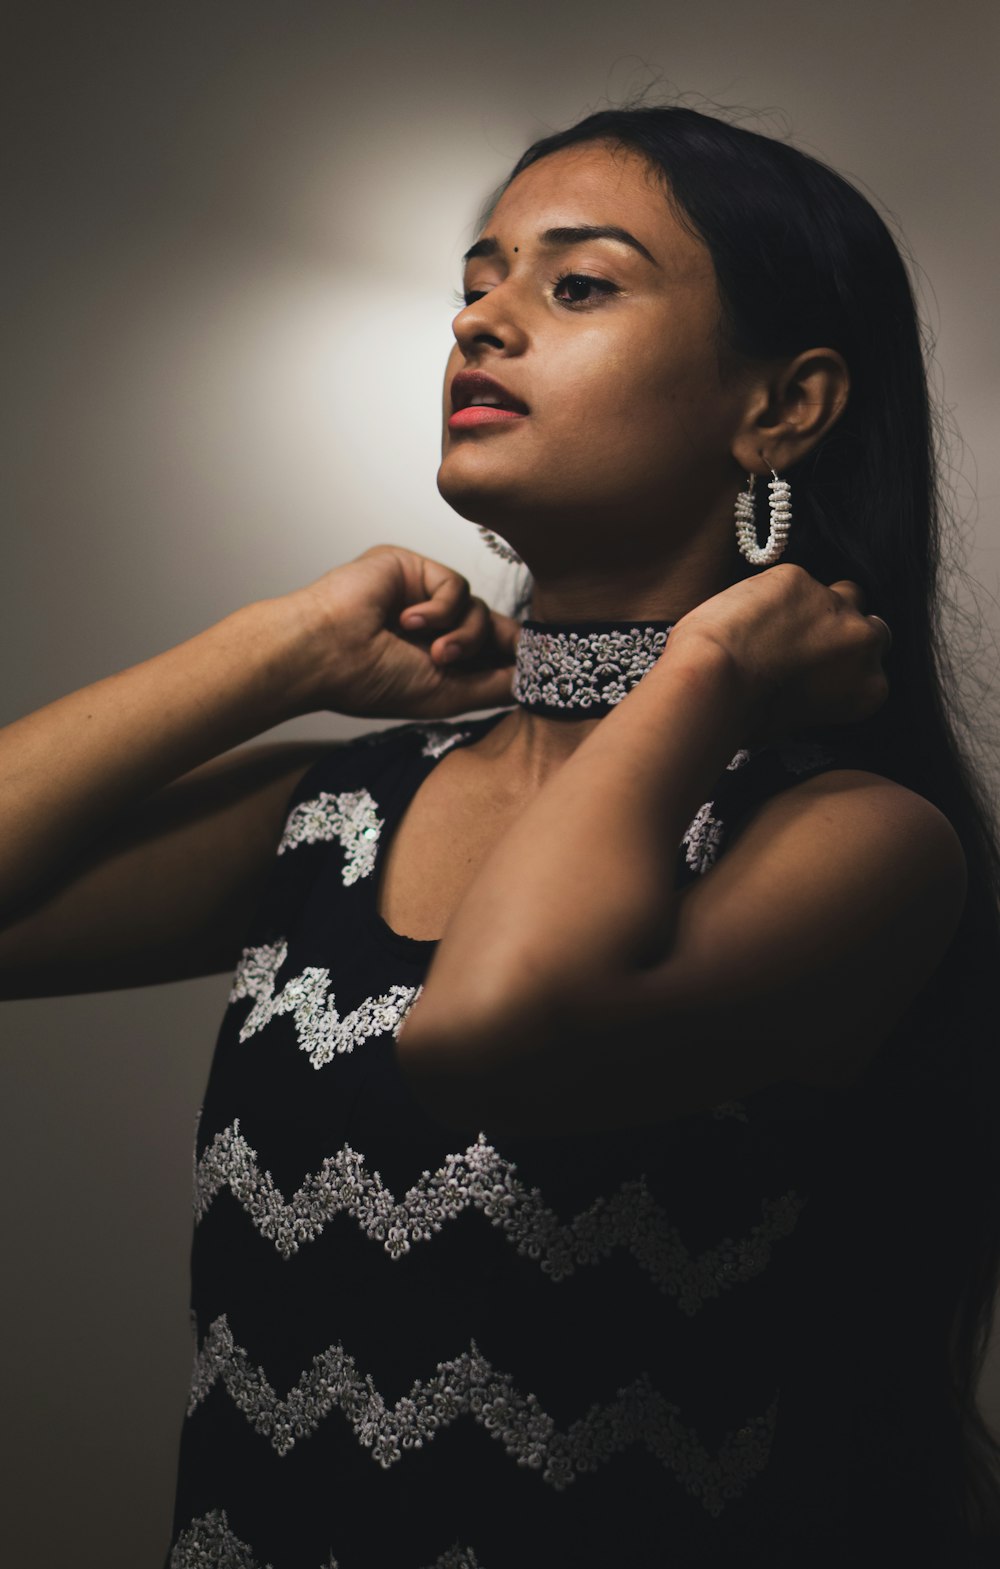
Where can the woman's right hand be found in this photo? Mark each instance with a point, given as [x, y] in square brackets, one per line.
[805, 651]
[367, 656]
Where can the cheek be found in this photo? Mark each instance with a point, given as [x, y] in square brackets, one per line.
[631, 393]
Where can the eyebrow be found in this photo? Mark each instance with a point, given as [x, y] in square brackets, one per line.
[575, 235]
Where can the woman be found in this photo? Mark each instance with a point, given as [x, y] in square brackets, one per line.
[564, 1197]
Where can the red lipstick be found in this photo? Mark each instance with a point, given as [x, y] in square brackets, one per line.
[478, 399]
[481, 414]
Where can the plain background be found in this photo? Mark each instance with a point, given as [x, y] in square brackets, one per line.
[232, 236]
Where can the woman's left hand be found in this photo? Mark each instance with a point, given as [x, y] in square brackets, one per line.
[805, 653]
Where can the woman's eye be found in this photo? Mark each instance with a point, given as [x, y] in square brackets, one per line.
[579, 286]
[576, 282]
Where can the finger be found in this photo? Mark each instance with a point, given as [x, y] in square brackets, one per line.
[885, 635]
[852, 592]
[465, 639]
[483, 632]
[448, 595]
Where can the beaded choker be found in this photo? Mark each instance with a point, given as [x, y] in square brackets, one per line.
[581, 669]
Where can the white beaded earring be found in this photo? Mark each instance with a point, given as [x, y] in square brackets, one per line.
[498, 546]
[781, 521]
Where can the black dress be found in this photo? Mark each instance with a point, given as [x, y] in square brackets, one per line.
[419, 1347]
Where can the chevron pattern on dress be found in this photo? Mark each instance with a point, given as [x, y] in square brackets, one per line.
[209, 1543]
[481, 1178]
[468, 1385]
[351, 817]
[320, 1029]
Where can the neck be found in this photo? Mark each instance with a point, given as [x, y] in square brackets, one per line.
[573, 588]
[650, 575]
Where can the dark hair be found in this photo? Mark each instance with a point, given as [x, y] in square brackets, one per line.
[803, 260]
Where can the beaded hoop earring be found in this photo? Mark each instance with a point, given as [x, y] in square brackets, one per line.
[781, 521]
[498, 546]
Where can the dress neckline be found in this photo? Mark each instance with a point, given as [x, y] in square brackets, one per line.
[406, 778]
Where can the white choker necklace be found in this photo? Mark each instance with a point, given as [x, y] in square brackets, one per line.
[581, 669]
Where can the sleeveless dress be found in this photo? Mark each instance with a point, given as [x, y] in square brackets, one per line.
[421, 1348]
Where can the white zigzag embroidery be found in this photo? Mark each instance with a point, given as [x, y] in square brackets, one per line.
[702, 839]
[209, 1543]
[468, 1385]
[352, 817]
[482, 1179]
[319, 1027]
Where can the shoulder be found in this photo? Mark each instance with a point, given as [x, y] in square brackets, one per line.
[861, 860]
[835, 901]
[853, 810]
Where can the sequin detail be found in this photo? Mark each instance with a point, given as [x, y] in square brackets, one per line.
[582, 671]
[469, 1385]
[702, 840]
[209, 1543]
[352, 817]
[319, 1028]
[480, 1178]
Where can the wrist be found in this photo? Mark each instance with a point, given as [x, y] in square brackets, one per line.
[724, 675]
[282, 637]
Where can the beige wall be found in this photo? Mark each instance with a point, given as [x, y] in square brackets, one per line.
[228, 222]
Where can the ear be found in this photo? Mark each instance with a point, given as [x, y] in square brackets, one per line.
[790, 409]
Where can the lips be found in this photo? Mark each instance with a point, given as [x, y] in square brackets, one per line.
[474, 388]
[466, 419]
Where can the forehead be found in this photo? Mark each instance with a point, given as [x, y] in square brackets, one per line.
[598, 183]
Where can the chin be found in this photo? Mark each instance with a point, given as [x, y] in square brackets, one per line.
[491, 505]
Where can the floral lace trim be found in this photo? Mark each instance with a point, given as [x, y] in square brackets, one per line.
[703, 838]
[582, 670]
[480, 1178]
[319, 1028]
[469, 1385]
[351, 817]
[209, 1543]
[439, 739]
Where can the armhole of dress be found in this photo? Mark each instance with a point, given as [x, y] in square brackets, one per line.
[751, 779]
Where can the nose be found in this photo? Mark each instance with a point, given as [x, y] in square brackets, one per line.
[491, 321]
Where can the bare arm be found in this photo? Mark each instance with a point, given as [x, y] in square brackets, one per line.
[165, 895]
[125, 856]
[576, 989]
[71, 770]
[134, 840]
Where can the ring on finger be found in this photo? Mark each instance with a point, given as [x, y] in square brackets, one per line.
[884, 624]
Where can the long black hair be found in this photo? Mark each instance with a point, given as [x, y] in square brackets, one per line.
[803, 259]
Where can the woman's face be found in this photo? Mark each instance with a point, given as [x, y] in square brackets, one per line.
[609, 348]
